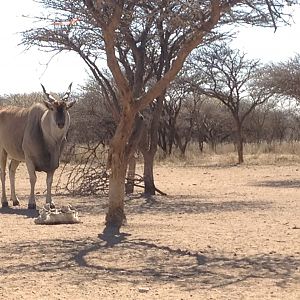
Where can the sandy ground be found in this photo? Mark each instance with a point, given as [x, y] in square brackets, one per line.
[221, 233]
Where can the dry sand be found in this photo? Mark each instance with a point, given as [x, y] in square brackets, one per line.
[221, 233]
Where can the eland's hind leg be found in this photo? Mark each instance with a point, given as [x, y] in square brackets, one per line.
[3, 158]
[12, 175]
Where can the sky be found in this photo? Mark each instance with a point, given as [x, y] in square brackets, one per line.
[23, 71]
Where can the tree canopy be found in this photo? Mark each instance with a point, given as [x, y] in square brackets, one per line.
[283, 78]
[137, 38]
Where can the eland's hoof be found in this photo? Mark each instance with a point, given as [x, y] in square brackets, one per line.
[16, 203]
[4, 204]
[31, 206]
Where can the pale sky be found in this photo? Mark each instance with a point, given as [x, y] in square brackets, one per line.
[22, 72]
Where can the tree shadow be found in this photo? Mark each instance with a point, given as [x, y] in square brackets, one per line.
[179, 204]
[112, 236]
[279, 183]
[214, 165]
[123, 258]
[191, 204]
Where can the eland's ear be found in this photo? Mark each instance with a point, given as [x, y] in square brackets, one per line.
[49, 97]
[67, 93]
[48, 104]
[70, 103]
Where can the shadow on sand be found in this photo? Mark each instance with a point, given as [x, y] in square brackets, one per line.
[279, 184]
[139, 204]
[30, 213]
[120, 257]
[191, 204]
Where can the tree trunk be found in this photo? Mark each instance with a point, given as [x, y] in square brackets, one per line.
[162, 141]
[240, 152]
[115, 215]
[129, 187]
[171, 138]
[182, 147]
[200, 144]
[212, 146]
[148, 147]
[117, 163]
[240, 143]
[148, 172]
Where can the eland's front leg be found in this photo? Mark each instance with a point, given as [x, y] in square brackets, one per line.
[12, 175]
[49, 181]
[32, 178]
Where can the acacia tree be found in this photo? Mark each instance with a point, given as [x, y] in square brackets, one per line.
[181, 111]
[225, 74]
[255, 127]
[185, 125]
[283, 78]
[127, 33]
[216, 123]
[91, 120]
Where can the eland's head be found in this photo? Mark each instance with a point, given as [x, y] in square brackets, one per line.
[59, 107]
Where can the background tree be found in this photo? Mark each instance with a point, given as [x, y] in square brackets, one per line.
[175, 96]
[283, 78]
[92, 121]
[216, 123]
[225, 74]
[24, 100]
[189, 104]
[192, 112]
[117, 30]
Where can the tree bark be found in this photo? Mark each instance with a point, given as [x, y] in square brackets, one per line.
[149, 147]
[239, 143]
[117, 163]
[148, 172]
[129, 187]
[115, 216]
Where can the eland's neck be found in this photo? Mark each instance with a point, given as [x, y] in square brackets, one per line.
[53, 135]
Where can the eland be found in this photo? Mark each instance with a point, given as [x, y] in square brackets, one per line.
[36, 136]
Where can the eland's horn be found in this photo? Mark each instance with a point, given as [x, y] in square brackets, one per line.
[50, 98]
[67, 94]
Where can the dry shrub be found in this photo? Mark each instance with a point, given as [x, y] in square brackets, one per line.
[84, 171]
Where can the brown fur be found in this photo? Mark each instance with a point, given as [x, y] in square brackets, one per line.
[35, 135]
[13, 121]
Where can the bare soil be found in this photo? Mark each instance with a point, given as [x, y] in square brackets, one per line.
[230, 232]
